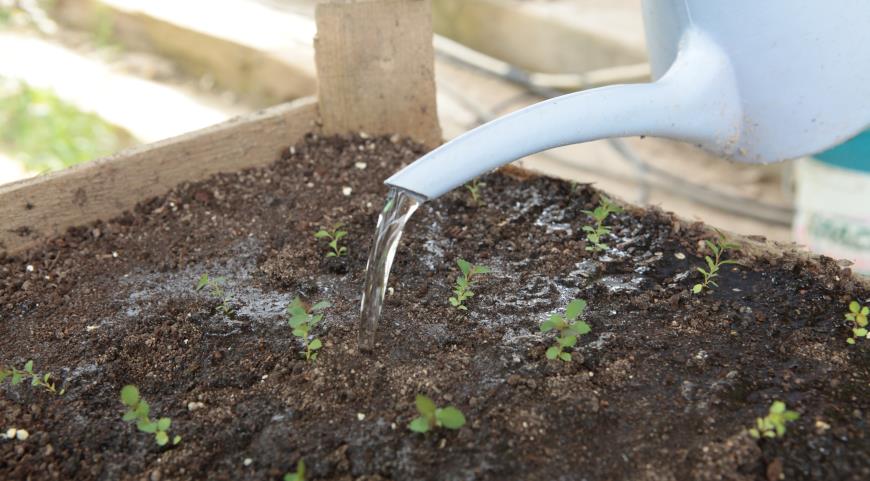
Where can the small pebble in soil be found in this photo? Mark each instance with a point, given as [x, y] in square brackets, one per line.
[20, 434]
[91, 327]
[822, 426]
[360, 165]
[360, 416]
[346, 191]
[680, 255]
[247, 461]
[29, 268]
[194, 405]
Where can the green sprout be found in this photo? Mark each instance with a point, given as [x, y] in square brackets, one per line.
[569, 329]
[714, 263]
[858, 316]
[594, 234]
[334, 236]
[138, 410]
[299, 475]
[44, 381]
[432, 417]
[474, 189]
[302, 320]
[462, 290]
[773, 425]
[216, 288]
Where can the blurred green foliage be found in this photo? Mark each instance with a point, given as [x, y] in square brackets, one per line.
[45, 133]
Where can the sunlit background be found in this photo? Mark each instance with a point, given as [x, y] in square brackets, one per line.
[82, 79]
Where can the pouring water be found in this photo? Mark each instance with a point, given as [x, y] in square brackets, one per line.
[398, 209]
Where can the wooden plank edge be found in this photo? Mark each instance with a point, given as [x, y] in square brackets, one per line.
[261, 76]
[529, 36]
[36, 209]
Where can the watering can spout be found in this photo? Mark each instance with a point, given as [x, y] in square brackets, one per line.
[695, 101]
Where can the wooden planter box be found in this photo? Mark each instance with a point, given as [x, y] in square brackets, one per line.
[374, 60]
[375, 70]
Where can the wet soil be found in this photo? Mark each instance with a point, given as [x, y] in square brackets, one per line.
[662, 388]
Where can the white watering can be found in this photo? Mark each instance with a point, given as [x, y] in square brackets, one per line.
[750, 80]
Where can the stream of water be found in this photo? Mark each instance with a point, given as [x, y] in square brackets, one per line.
[398, 209]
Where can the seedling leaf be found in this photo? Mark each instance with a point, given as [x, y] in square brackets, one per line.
[425, 405]
[450, 417]
[130, 395]
[419, 425]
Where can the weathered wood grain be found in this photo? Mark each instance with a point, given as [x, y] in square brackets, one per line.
[375, 68]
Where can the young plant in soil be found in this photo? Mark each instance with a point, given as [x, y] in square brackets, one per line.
[215, 286]
[773, 425]
[334, 236]
[462, 290]
[599, 214]
[569, 329]
[302, 320]
[857, 315]
[474, 190]
[139, 410]
[714, 263]
[432, 417]
[36, 379]
[299, 475]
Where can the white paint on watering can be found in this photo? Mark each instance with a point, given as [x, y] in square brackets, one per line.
[832, 212]
[748, 80]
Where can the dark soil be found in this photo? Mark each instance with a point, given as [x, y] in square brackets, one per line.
[663, 387]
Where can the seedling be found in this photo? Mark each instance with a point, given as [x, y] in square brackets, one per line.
[773, 425]
[858, 316]
[299, 475]
[569, 329]
[302, 320]
[462, 290]
[714, 263]
[138, 410]
[599, 214]
[334, 236]
[474, 189]
[215, 286]
[432, 417]
[16, 376]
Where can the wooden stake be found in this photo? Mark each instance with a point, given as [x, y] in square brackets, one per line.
[375, 68]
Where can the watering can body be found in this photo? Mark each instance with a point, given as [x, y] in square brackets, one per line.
[800, 68]
[748, 80]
